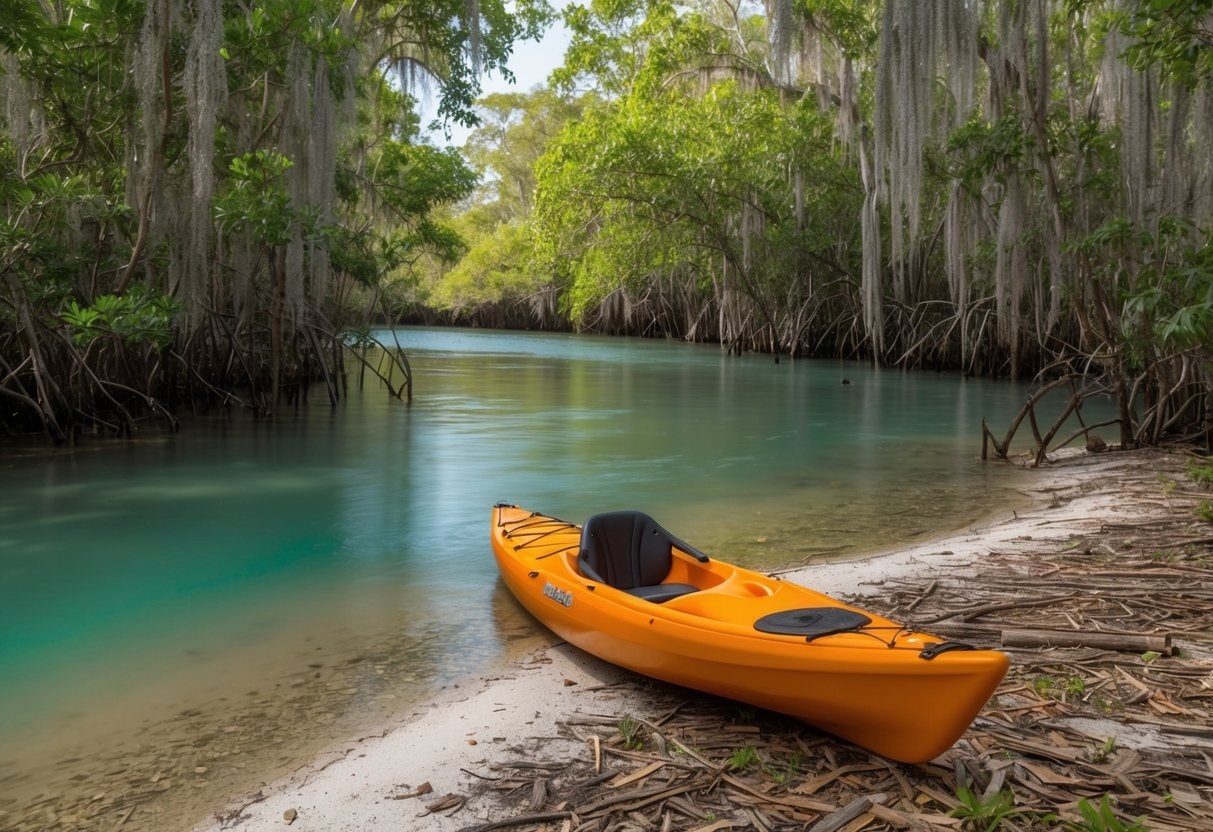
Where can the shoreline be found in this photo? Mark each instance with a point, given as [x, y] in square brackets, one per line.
[419, 772]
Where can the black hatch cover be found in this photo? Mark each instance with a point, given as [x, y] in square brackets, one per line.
[814, 622]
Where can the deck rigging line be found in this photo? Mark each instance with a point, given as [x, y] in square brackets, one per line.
[530, 529]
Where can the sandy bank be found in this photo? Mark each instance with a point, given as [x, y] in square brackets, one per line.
[421, 773]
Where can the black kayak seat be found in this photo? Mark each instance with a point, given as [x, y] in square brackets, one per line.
[630, 551]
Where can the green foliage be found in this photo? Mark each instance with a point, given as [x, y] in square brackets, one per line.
[1044, 685]
[75, 51]
[984, 813]
[691, 165]
[1162, 280]
[411, 184]
[1102, 818]
[788, 772]
[1105, 751]
[744, 758]
[1172, 35]
[414, 179]
[1200, 473]
[256, 200]
[1204, 511]
[354, 255]
[359, 338]
[110, 194]
[140, 317]
[1072, 687]
[38, 243]
[980, 148]
[656, 183]
[629, 730]
[596, 51]
[497, 269]
[851, 23]
[515, 130]
[439, 38]
[1173, 305]
[258, 42]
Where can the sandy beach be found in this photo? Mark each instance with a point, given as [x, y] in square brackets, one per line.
[422, 772]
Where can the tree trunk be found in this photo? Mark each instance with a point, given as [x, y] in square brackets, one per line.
[277, 307]
[47, 392]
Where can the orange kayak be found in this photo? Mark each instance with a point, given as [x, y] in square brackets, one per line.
[627, 591]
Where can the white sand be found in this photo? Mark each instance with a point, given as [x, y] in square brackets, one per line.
[513, 716]
[505, 718]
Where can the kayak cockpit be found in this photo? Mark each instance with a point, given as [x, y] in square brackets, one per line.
[630, 551]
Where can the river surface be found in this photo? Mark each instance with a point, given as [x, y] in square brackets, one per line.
[184, 616]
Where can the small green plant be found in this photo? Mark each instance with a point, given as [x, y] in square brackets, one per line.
[1104, 752]
[789, 771]
[984, 813]
[1204, 511]
[629, 729]
[1200, 474]
[1072, 687]
[1102, 818]
[744, 758]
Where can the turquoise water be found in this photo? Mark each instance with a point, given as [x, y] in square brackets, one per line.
[237, 561]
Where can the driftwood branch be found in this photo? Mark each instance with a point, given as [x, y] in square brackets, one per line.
[1125, 642]
[1038, 637]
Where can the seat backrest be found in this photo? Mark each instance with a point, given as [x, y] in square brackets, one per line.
[624, 549]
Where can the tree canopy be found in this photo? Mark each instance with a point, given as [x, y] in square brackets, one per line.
[1008, 188]
[202, 200]
[194, 193]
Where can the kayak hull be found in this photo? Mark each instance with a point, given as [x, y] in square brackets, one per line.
[873, 686]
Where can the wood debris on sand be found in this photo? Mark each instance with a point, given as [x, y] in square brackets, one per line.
[1094, 731]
